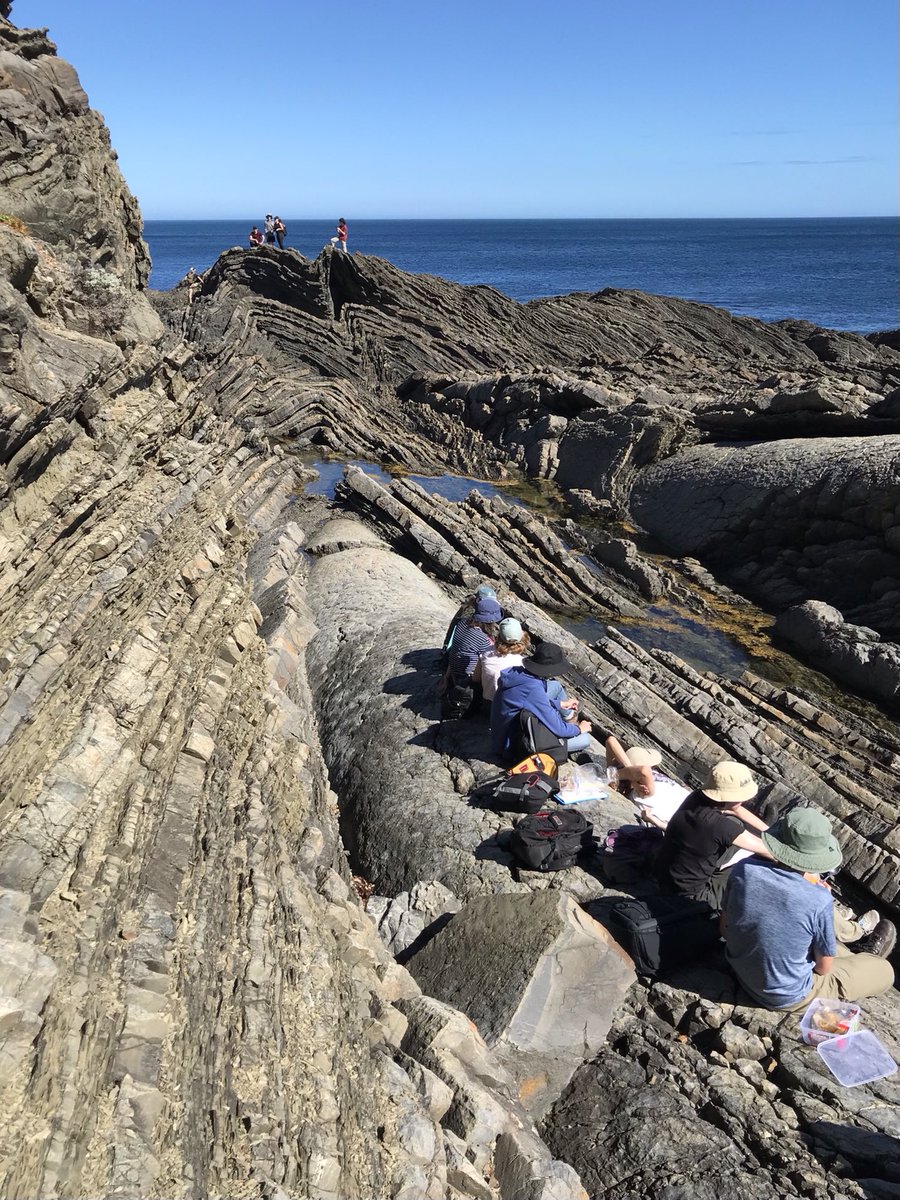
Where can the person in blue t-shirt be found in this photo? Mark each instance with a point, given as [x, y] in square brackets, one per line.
[778, 922]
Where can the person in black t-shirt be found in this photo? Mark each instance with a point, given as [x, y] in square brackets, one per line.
[708, 823]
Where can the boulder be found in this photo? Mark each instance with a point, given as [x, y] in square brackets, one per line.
[540, 978]
[852, 653]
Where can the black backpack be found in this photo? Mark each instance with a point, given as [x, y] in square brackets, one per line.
[456, 701]
[550, 841]
[523, 791]
[626, 854]
[663, 932]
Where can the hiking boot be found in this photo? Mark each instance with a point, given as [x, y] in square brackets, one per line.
[881, 941]
[868, 921]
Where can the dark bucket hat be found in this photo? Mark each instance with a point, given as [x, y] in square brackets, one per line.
[548, 660]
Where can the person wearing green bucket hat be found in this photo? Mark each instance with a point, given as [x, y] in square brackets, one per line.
[778, 922]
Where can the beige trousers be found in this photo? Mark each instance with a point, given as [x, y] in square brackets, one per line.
[852, 977]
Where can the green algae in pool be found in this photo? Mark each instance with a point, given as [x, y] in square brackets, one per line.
[672, 629]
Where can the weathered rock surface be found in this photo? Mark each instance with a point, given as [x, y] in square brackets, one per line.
[540, 978]
[779, 519]
[213, 691]
[849, 652]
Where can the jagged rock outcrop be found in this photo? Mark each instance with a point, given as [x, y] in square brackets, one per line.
[59, 174]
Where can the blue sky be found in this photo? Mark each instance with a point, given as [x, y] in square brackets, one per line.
[515, 108]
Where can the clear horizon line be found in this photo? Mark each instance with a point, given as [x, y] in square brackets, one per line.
[512, 220]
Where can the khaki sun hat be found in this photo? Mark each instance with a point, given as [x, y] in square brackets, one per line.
[639, 757]
[729, 783]
[802, 839]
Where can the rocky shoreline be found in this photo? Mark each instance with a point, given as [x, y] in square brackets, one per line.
[228, 805]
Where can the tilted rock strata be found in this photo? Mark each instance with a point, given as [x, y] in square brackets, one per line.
[59, 173]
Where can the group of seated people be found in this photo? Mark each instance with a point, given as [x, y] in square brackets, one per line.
[785, 937]
[491, 657]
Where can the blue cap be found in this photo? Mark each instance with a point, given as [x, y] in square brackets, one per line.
[484, 591]
[487, 610]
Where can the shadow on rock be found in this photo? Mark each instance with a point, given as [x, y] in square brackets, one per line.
[496, 848]
[874, 1156]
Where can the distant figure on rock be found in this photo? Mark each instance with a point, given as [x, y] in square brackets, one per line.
[779, 927]
[270, 229]
[256, 236]
[280, 231]
[341, 240]
[192, 282]
[531, 706]
[513, 644]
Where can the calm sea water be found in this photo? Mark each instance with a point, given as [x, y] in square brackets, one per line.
[841, 273]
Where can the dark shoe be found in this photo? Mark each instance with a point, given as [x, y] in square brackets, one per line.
[881, 940]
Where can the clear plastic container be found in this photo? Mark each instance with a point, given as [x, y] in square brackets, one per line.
[827, 1019]
[856, 1058]
[587, 782]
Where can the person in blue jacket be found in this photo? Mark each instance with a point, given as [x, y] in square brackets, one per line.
[533, 688]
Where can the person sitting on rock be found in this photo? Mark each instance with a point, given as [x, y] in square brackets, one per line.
[656, 797]
[463, 614]
[778, 923]
[533, 688]
[476, 637]
[701, 835]
[256, 237]
[706, 825]
[513, 644]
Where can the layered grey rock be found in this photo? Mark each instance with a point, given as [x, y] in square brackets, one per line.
[214, 691]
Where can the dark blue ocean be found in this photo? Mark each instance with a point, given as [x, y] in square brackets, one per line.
[841, 273]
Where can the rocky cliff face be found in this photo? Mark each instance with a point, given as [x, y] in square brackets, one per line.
[218, 726]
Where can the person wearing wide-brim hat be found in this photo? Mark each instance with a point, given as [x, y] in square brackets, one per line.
[655, 795]
[710, 823]
[778, 922]
[533, 688]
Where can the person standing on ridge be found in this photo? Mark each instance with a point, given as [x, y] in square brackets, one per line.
[341, 240]
[280, 231]
[270, 229]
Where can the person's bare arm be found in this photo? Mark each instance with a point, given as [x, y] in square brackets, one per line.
[822, 964]
[639, 775]
[648, 815]
[749, 841]
[615, 753]
[750, 819]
